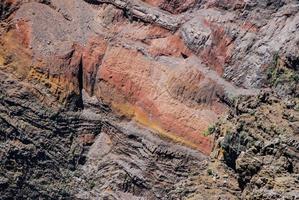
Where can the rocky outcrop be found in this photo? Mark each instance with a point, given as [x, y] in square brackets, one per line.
[173, 6]
[86, 45]
[259, 141]
[133, 166]
[119, 99]
[53, 153]
[144, 12]
[239, 38]
[40, 146]
[73, 48]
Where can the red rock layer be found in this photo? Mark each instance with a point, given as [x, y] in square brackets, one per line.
[144, 72]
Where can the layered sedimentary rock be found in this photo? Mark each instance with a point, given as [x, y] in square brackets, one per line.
[42, 149]
[130, 83]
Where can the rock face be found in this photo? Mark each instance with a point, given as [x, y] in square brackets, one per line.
[259, 140]
[51, 153]
[116, 99]
[40, 146]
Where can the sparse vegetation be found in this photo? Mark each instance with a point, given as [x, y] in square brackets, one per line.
[92, 185]
[210, 172]
[209, 131]
[279, 74]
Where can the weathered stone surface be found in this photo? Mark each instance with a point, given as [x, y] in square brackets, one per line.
[172, 6]
[98, 98]
[53, 153]
[80, 49]
[261, 145]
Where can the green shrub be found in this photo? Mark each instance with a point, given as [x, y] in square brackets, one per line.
[209, 131]
[210, 172]
[278, 75]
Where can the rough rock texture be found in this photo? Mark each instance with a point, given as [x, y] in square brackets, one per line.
[259, 140]
[52, 153]
[41, 150]
[40, 146]
[117, 99]
[173, 6]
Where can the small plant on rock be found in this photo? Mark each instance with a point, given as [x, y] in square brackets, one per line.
[210, 172]
[209, 131]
